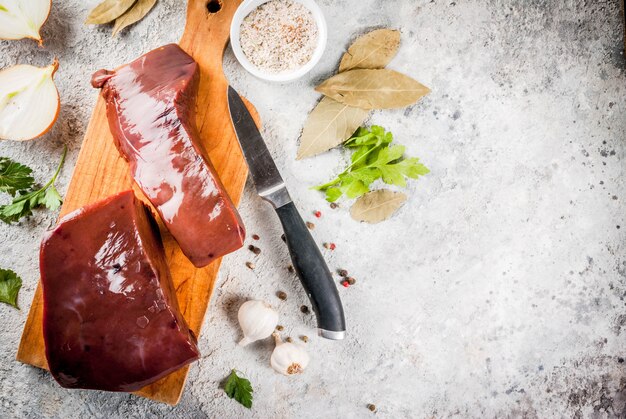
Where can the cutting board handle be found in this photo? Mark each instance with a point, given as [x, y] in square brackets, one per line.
[208, 24]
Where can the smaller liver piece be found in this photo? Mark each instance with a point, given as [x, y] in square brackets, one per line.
[111, 319]
[151, 111]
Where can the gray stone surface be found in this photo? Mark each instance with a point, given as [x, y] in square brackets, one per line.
[497, 290]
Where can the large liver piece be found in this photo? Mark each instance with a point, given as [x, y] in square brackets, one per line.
[151, 111]
[111, 319]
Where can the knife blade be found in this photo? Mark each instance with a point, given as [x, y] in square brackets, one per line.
[307, 259]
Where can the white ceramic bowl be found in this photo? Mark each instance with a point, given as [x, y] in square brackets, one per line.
[235, 28]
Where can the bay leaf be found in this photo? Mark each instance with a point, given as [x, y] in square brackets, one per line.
[373, 89]
[372, 50]
[377, 206]
[133, 15]
[328, 125]
[108, 11]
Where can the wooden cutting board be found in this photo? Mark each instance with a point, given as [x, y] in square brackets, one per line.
[101, 172]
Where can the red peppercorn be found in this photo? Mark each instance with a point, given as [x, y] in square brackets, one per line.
[332, 246]
[318, 214]
[346, 284]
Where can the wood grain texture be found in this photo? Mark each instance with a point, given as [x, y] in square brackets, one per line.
[100, 172]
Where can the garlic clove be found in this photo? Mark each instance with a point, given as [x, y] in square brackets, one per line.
[23, 18]
[288, 358]
[257, 320]
[29, 101]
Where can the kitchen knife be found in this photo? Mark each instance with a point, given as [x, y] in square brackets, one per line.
[306, 256]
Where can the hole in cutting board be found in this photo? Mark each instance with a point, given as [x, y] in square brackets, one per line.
[214, 6]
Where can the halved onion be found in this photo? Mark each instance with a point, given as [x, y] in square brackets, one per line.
[29, 101]
[23, 18]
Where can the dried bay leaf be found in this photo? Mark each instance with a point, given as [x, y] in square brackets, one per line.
[133, 15]
[373, 89]
[372, 50]
[328, 125]
[108, 11]
[377, 205]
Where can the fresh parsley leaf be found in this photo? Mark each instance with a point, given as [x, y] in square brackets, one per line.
[333, 194]
[14, 176]
[239, 388]
[23, 204]
[10, 285]
[376, 135]
[373, 158]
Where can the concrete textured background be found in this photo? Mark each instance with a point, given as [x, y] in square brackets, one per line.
[496, 291]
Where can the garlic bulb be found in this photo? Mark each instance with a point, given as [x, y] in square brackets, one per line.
[23, 18]
[29, 101]
[288, 358]
[257, 320]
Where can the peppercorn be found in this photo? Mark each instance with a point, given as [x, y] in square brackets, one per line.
[250, 265]
[279, 328]
[332, 246]
[254, 249]
[282, 295]
[371, 407]
[334, 205]
[305, 339]
[351, 281]
[317, 214]
[289, 339]
[291, 269]
[310, 225]
[346, 284]
[342, 272]
[326, 245]
[255, 237]
[304, 309]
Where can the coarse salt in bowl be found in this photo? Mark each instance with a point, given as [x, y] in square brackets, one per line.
[247, 7]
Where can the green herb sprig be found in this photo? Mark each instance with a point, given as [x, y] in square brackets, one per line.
[239, 388]
[14, 178]
[373, 158]
[10, 285]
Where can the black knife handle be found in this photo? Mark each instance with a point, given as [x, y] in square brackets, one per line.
[313, 272]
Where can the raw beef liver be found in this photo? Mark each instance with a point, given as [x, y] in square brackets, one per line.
[151, 111]
[111, 318]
